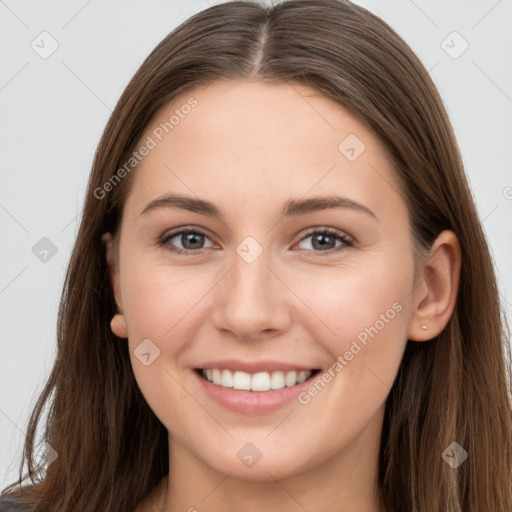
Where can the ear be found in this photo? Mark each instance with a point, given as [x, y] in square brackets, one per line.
[436, 293]
[113, 265]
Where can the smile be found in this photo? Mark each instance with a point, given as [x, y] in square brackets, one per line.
[261, 381]
[253, 387]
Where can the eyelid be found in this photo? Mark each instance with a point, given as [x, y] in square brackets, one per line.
[327, 229]
[346, 239]
[164, 239]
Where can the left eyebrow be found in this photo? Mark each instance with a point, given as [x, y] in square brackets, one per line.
[295, 207]
[291, 208]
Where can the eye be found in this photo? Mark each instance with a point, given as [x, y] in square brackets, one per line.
[325, 240]
[191, 240]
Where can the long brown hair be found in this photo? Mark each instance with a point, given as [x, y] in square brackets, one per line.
[112, 450]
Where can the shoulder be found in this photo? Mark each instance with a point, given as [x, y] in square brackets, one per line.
[8, 504]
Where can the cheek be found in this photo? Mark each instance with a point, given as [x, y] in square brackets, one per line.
[365, 315]
[156, 302]
[348, 300]
[155, 297]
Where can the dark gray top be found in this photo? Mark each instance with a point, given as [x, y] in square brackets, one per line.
[8, 504]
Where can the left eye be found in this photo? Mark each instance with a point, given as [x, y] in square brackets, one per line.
[322, 239]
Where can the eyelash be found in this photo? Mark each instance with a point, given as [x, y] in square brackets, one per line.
[339, 235]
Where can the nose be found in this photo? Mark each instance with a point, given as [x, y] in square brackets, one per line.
[252, 301]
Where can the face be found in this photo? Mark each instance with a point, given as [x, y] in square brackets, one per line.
[279, 286]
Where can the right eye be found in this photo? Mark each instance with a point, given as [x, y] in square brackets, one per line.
[190, 239]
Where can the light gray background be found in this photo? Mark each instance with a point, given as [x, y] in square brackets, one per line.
[53, 112]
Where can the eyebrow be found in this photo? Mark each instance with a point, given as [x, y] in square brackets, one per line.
[291, 208]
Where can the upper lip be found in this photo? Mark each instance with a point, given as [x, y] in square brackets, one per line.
[253, 366]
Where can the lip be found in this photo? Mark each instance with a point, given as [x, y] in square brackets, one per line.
[251, 402]
[253, 366]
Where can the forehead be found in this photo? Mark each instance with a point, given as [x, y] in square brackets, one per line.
[258, 142]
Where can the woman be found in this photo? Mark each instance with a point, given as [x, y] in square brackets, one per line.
[260, 371]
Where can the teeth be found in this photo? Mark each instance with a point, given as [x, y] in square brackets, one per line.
[262, 381]
[216, 376]
[227, 379]
[240, 380]
[302, 376]
[290, 379]
[277, 380]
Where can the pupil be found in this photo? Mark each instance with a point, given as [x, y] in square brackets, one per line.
[322, 243]
[190, 238]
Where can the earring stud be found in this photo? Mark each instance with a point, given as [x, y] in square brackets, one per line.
[424, 326]
[118, 326]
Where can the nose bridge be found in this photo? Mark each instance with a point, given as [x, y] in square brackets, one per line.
[252, 297]
[250, 277]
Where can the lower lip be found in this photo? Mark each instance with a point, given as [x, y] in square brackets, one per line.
[253, 402]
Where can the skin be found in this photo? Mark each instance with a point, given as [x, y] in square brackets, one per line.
[249, 147]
